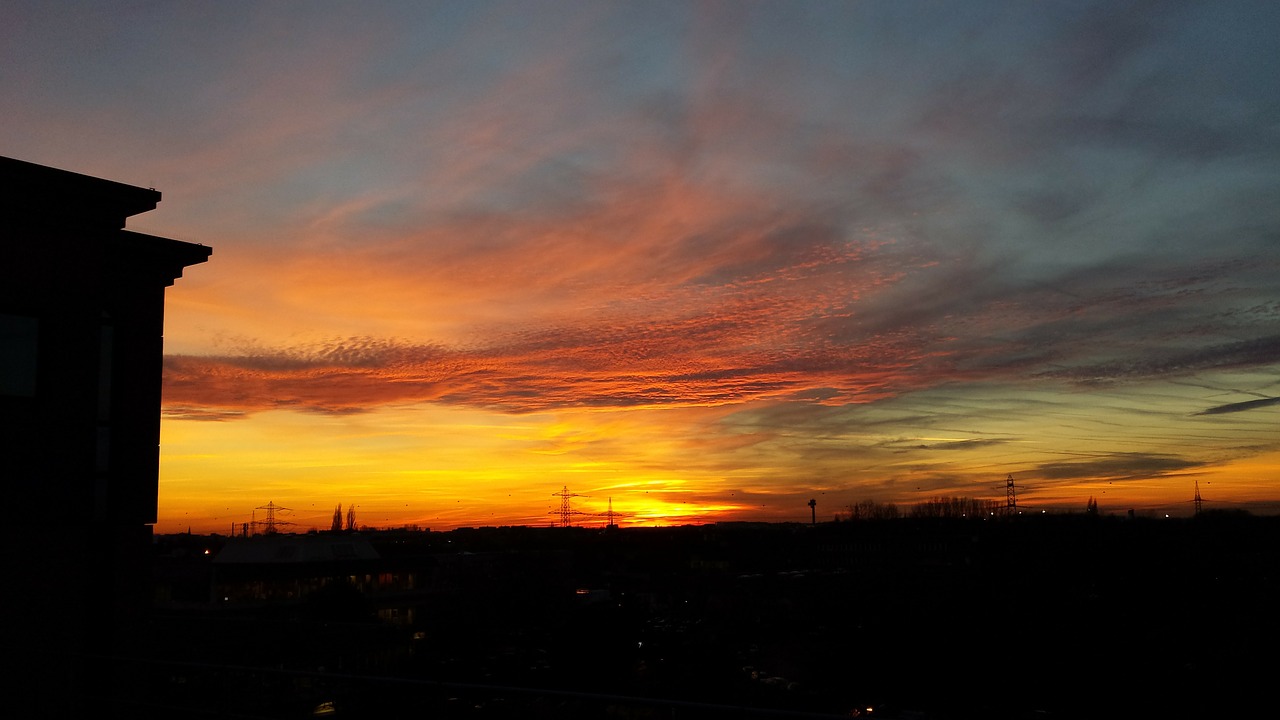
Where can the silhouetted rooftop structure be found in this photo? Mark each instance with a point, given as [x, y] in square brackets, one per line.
[290, 549]
[41, 195]
[81, 343]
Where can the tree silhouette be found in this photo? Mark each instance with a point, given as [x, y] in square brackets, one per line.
[955, 507]
[872, 510]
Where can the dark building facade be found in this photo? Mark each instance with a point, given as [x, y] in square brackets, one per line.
[81, 343]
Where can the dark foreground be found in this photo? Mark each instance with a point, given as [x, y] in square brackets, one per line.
[1053, 617]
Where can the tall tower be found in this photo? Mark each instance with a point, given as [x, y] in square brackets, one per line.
[1011, 500]
[1198, 501]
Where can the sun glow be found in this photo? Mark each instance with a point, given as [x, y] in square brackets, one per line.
[430, 466]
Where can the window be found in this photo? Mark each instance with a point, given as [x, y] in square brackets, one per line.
[19, 344]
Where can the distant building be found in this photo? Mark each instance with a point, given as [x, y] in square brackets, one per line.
[81, 343]
[288, 568]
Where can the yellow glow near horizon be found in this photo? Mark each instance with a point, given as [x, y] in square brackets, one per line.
[425, 465]
[444, 468]
[441, 466]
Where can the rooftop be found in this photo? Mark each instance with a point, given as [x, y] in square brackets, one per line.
[51, 196]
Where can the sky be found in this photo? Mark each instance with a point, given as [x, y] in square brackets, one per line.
[693, 262]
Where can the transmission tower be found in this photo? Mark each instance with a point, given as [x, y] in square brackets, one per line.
[1011, 500]
[566, 510]
[1198, 501]
[612, 516]
[271, 523]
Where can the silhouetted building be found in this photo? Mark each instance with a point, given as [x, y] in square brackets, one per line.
[81, 342]
[289, 568]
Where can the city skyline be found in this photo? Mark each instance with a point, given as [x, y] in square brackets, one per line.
[699, 261]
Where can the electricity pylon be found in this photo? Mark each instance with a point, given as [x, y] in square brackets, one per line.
[271, 522]
[566, 510]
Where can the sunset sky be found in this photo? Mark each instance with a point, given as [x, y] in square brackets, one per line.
[703, 260]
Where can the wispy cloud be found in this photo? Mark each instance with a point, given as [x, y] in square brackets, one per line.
[1259, 352]
[1118, 467]
[1240, 406]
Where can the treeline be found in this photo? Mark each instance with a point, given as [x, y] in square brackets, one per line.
[939, 507]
